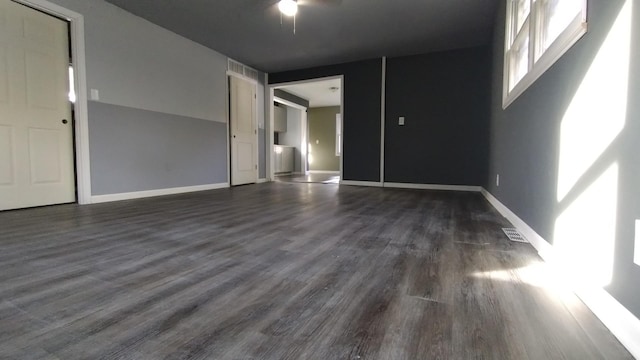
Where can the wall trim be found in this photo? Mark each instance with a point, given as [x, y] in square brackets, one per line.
[361, 183]
[432, 187]
[383, 104]
[260, 181]
[539, 243]
[158, 192]
[620, 321]
[324, 172]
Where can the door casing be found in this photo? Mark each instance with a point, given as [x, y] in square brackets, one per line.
[81, 118]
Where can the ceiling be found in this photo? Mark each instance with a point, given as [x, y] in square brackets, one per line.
[327, 31]
[319, 93]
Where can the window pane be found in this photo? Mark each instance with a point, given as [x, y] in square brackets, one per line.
[519, 62]
[523, 8]
[558, 14]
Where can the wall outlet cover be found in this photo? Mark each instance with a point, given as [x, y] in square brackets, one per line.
[94, 94]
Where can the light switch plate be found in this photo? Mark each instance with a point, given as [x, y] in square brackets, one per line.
[95, 94]
[401, 120]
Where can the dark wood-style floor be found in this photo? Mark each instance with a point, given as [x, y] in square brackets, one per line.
[283, 271]
[318, 178]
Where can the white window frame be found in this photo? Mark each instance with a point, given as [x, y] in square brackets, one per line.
[539, 60]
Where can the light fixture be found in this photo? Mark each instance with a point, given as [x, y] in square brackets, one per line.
[288, 7]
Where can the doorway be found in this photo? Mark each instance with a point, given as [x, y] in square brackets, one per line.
[321, 141]
[36, 120]
[243, 131]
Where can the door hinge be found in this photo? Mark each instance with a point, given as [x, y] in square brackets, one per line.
[256, 167]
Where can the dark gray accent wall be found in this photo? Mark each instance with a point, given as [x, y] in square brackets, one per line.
[444, 98]
[525, 142]
[290, 97]
[361, 118]
[135, 150]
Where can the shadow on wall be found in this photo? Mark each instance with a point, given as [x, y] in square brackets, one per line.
[589, 164]
[567, 152]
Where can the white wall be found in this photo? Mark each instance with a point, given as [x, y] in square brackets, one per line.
[137, 64]
[292, 136]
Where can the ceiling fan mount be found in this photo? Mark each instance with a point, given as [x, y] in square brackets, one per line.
[289, 8]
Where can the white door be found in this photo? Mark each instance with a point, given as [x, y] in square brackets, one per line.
[36, 145]
[244, 139]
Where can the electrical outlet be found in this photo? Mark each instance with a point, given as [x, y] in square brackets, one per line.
[94, 94]
[401, 121]
[498, 180]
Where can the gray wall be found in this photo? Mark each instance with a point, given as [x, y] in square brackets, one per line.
[444, 98]
[162, 87]
[526, 138]
[135, 150]
[135, 63]
[361, 116]
[322, 128]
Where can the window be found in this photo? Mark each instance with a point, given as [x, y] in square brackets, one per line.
[338, 134]
[538, 32]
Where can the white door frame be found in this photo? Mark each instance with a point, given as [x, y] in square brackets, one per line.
[255, 84]
[271, 88]
[81, 117]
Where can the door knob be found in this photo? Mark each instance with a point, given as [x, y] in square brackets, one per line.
[64, 121]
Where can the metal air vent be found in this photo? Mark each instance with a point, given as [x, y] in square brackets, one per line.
[514, 235]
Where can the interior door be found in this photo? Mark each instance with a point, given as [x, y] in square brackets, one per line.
[244, 140]
[36, 144]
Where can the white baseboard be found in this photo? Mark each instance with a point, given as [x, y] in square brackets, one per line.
[260, 181]
[538, 242]
[620, 321]
[159, 192]
[432, 187]
[361, 183]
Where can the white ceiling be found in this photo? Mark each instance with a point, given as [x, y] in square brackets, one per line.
[318, 93]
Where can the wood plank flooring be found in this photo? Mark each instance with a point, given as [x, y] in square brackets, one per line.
[283, 271]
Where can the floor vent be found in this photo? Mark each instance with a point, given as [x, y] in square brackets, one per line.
[514, 235]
